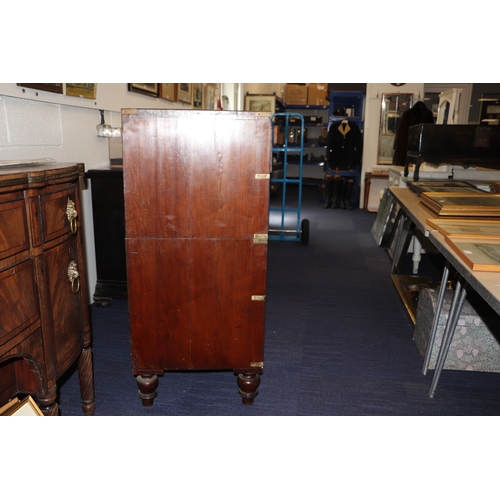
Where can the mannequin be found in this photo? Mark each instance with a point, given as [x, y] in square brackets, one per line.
[344, 143]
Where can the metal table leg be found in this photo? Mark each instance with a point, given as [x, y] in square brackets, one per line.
[439, 305]
[455, 309]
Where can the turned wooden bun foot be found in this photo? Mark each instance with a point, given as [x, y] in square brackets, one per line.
[248, 385]
[147, 388]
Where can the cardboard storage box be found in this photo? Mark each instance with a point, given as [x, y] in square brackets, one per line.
[296, 94]
[317, 94]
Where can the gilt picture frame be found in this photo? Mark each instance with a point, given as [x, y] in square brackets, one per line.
[85, 90]
[466, 228]
[260, 103]
[480, 254]
[21, 408]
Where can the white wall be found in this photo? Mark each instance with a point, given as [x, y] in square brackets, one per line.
[39, 124]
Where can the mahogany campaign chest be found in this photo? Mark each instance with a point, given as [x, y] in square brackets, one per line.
[196, 189]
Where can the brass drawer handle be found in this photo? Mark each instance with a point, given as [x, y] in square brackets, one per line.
[74, 277]
[72, 214]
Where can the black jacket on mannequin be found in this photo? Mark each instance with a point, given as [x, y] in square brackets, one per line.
[344, 145]
[417, 114]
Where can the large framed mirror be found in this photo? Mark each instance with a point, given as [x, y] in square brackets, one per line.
[393, 107]
[449, 102]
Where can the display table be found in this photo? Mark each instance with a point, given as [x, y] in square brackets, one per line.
[486, 284]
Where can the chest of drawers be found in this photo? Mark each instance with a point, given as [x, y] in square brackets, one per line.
[196, 218]
[45, 325]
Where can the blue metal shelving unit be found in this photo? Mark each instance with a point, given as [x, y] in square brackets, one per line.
[353, 100]
[301, 230]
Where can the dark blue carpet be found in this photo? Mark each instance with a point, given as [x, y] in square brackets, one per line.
[338, 342]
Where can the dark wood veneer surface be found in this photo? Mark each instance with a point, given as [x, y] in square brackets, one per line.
[45, 325]
[196, 193]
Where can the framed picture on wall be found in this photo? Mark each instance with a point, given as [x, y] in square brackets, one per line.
[86, 90]
[211, 95]
[185, 92]
[48, 87]
[260, 103]
[198, 95]
[151, 89]
[168, 91]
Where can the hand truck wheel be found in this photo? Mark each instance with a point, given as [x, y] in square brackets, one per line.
[304, 232]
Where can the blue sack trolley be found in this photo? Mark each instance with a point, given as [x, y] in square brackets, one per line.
[282, 223]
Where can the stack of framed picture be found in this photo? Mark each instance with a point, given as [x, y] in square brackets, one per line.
[468, 218]
[420, 187]
[456, 199]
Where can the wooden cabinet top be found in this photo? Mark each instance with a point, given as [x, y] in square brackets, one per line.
[23, 176]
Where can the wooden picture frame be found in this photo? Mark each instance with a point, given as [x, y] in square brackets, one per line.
[384, 222]
[85, 90]
[198, 95]
[57, 88]
[151, 89]
[400, 237]
[480, 254]
[21, 408]
[408, 288]
[168, 91]
[211, 96]
[185, 93]
[466, 228]
[462, 204]
[260, 103]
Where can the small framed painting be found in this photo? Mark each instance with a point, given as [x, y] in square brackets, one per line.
[48, 87]
[260, 103]
[185, 92]
[86, 90]
[198, 95]
[151, 89]
[211, 95]
[168, 91]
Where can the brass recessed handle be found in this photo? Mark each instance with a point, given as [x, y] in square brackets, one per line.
[74, 277]
[72, 215]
